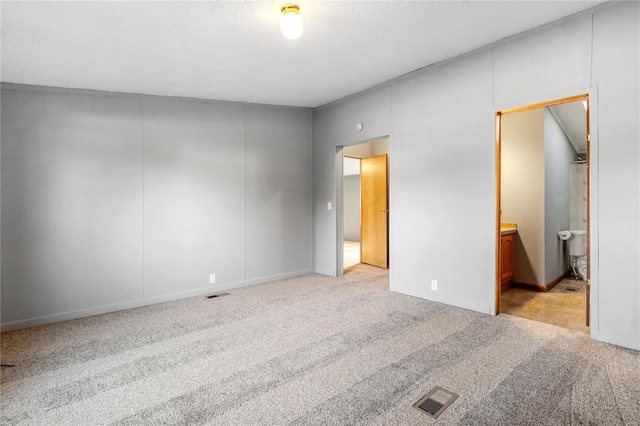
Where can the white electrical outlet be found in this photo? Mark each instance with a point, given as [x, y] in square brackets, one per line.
[434, 285]
[212, 279]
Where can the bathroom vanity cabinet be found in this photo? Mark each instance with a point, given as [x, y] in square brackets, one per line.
[507, 259]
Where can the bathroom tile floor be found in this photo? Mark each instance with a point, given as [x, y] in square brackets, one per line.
[564, 305]
[570, 285]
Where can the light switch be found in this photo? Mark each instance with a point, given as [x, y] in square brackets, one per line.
[329, 205]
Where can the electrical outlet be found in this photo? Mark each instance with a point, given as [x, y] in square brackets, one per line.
[434, 285]
[212, 279]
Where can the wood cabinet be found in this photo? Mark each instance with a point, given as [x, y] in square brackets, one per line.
[507, 260]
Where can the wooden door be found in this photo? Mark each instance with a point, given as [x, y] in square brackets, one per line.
[374, 211]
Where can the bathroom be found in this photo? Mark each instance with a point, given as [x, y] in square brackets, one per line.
[544, 213]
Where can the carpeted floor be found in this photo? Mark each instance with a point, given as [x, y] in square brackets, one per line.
[313, 351]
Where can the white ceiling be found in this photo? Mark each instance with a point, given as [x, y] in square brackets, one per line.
[233, 50]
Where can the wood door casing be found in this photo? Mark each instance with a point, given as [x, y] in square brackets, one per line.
[374, 211]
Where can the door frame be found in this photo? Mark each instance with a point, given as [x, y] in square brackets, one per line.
[339, 201]
[592, 199]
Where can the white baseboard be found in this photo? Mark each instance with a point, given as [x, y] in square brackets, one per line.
[81, 313]
[616, 339]
[469, 304]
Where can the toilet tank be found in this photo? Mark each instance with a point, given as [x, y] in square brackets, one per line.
[578, 243]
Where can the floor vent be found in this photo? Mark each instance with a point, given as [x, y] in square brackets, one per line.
[571, 289]
[436, 401]
[217, 295]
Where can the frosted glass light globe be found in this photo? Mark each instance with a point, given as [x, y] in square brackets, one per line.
[291, 25]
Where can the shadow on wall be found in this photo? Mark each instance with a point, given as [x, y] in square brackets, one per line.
[525, 267]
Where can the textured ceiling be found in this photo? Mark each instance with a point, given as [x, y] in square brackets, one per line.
[230, 50]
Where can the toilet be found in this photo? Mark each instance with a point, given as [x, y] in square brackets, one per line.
[582, 267]
[577, 250]
[578, 243]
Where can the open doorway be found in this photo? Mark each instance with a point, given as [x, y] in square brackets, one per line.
[365, 214]
[351, 210]
[543, 212]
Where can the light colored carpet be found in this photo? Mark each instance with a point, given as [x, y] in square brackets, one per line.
[313, 351]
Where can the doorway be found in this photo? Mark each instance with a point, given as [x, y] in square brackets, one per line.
[351, 212]
[542, 241]
[364, 234]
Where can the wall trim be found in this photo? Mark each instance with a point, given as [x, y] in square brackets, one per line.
[106, 309]
[474, 305]
[532, 287]
[540, 287]
[616, 339]
[557, 281]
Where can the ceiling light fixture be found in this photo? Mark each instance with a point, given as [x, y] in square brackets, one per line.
[291, 24]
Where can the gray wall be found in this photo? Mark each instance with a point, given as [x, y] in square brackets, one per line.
[616, 41]
[352, 211]
[72, 202]
[334, 127]
[522, 167]
[113, 201]
[442, 180]
[558, 154]
[193, 194]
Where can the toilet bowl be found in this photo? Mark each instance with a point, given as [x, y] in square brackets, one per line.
[582, 267]
[577, 250]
